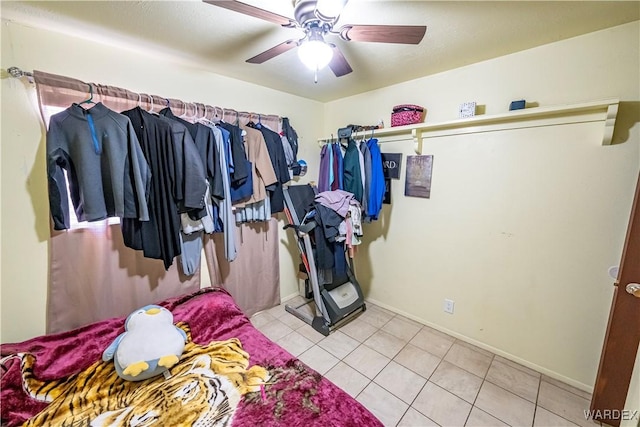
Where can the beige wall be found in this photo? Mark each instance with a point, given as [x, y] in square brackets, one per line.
[24, 193]
[520, 229]
[522, 224]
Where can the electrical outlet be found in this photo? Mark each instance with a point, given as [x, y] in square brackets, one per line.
[448, 306]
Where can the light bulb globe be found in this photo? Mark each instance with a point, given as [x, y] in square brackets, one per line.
[315, 54]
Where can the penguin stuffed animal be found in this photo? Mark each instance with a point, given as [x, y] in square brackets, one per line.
[150, 345]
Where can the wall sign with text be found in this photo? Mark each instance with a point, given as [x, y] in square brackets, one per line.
[391, 165]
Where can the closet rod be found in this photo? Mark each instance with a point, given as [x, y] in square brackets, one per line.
[200, 110]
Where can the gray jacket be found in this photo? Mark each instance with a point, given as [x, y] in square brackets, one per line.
[108, 174]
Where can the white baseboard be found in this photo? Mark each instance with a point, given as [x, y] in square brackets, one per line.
[289, 297]
[484, 346]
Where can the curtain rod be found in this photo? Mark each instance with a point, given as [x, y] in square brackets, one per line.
[200, 109]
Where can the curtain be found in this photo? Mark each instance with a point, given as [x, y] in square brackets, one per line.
[253, 278]
[94, 276]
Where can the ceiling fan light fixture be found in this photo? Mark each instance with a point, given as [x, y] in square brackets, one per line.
[329, 9]
[315, 54]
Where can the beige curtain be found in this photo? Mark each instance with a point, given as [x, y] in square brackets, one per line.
[94, 276]
[253, 278]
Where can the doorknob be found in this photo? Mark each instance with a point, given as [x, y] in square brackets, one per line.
[634, 289]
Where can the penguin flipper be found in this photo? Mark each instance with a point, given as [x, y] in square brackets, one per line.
[111, 350]
[183, 333]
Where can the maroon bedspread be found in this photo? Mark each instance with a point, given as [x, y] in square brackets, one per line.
[293, 400]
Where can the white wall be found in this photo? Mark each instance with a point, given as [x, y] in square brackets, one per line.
[522, 224]
[25, 222]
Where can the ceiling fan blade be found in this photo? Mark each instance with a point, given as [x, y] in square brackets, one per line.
[273, 52]
[405, 34]
[339, 64]
[256, 12]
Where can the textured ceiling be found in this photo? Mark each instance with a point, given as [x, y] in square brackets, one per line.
[458, 33]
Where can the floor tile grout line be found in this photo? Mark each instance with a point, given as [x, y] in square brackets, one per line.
[441, 359]
[564, 389]
[518, 366]
[549, 410]
[475, 399]
[410, 405]
[535, 405]
[535, 409]
[465, 369]
[425, 384]
[394, 315]
[391, 360]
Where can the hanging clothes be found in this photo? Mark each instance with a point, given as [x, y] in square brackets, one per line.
[352, 175]
[292, 138]
[191, 234]
[205, 142]
[337, 183]
[225, 208]
[241, 169]
[241, 191]
[377, 186]
[280, 167]
[324, 168]
[288, 155]
[159, 237]
[190, 182]
[108, 174]
[331, 168]
[362, 174]
[366, 155]
[262, 171]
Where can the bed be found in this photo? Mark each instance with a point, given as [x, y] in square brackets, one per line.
[230, 374]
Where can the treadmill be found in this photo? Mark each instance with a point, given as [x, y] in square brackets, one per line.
[327, 305]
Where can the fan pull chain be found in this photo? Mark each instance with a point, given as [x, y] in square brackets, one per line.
[315, 76]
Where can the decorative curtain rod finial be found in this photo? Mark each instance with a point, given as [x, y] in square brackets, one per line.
[17, 73]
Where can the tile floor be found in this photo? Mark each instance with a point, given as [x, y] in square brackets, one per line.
[408, 374]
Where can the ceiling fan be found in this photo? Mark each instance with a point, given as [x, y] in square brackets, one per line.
[317, 19]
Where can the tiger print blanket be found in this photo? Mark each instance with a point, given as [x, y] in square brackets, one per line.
[203, 389]
[60, 379]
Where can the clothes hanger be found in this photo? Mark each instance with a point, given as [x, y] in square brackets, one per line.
[251, 124]
[204, 119]
[150, 110]
[184, 113]
[168, 106]
[194, 118]
[90, 100]
[215, 118]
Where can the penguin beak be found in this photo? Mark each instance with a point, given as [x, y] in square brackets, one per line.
[153, 311]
